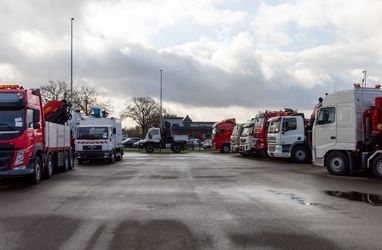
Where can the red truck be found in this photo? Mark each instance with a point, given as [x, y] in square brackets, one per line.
[254, 136]
[221, 135]
[33, 142]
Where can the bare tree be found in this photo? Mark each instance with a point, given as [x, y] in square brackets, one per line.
[132, 131]
[144, 111]
[55, 91]
[84, 98]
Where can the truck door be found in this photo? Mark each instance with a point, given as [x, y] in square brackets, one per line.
[324, 131]
[290, 133]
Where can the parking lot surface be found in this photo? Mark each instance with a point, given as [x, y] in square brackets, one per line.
[192, 201]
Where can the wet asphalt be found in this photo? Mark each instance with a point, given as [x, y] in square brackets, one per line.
[192, 201]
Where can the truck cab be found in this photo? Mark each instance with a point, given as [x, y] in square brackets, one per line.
[221, 135]
[288, 137]
[246, 136]
[347, 131]
[235, 137]
[99, 138]
[21, 131]
[157, 138]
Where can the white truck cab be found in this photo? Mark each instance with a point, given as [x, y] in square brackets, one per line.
[339, 134]
[288, 138]
[99, 138]
[246, 137]
[156, 140]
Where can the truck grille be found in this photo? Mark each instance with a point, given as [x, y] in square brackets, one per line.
[5, 160]
[92, 147]
[271, 139]
[243, 141]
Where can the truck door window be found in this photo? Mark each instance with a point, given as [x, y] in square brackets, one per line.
[29, 118]
[326, 116]
[289, 124]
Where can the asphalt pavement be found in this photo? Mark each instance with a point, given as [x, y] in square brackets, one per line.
[192, 201]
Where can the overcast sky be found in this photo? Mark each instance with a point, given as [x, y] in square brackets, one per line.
[221, 58]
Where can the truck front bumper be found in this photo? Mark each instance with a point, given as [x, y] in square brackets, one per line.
[84, 155]
[245, 148]
[235, 148]
[277, 151]
[18, 171]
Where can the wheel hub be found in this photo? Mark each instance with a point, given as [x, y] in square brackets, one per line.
[337, 164]
[379, 167]
[300, 155]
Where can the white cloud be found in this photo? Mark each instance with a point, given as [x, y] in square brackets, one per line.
[8, 72]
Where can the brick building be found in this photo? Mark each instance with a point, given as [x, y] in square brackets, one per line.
[194, 130]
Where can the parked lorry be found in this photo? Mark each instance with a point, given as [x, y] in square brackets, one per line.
[290, 137]
[254, 138]
[347, 133]
[221, 135]
[33, 139]
[157, 138]
[235, 137]
[99, 138]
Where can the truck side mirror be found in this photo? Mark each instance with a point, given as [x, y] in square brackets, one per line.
[36, 116]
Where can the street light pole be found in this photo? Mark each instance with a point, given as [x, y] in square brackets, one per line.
[71, 60]
[160, 109]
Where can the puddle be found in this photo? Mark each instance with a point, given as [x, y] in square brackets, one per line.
[294, 198]
[372, 199]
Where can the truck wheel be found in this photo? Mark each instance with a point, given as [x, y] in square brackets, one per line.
[149, 148]
[66, 167]
[35, 177]
[80, 161]
[300, 154]
[337, 163]
[376, 166]
[48, 171]
[119, 157]
[112, 158]
[176, 148]
[225, 148]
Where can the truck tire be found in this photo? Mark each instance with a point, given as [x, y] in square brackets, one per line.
[112, 158]
[80, 161]
[337, 163]
[119, 155]
[48, 171]
[225, 148]
[35, 177]
[66, 166]
[176, 148]
[300, 154]
[376, 167]
[149, 148]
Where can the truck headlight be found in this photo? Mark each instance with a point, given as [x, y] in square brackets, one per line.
[20, 157]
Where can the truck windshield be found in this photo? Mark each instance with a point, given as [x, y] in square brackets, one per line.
[12, 120]
[236, 130]
[274, 126]
[259, 122]
[213, 135]
[10, 97]
[247, 130]
[92, 133]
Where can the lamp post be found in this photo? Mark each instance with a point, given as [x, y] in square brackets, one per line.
[160, 108]
[71, 61]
